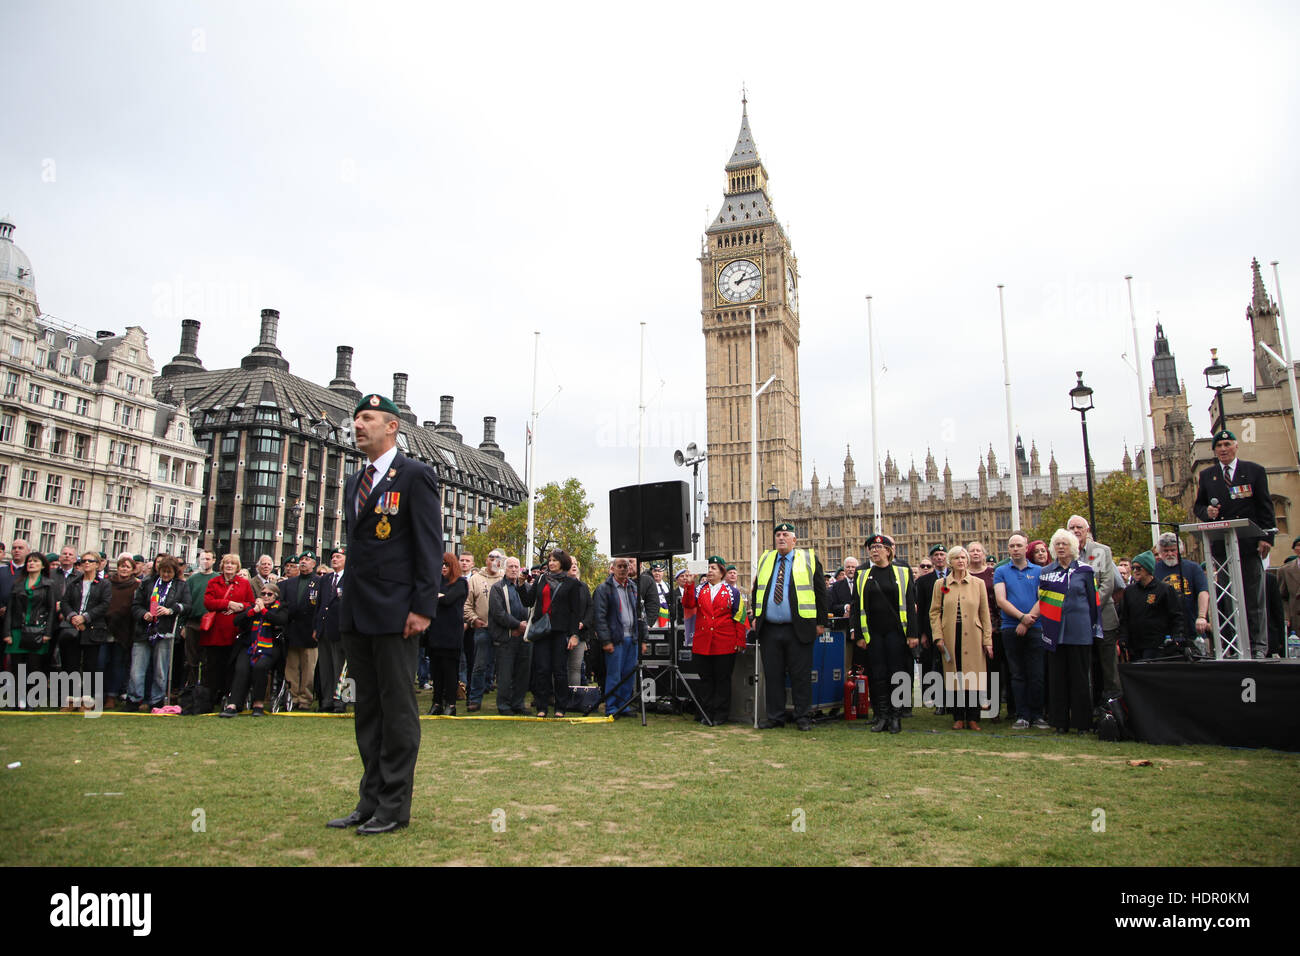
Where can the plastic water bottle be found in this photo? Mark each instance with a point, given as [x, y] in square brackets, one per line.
[1202, 647]
[1293, 645]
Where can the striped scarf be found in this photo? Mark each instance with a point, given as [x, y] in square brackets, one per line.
[263, 634]
[1053, 585]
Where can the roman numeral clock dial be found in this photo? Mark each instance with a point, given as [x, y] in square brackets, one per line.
[740, 281]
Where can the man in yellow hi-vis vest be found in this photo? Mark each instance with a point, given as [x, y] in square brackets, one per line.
[789, 606]
[884, 623]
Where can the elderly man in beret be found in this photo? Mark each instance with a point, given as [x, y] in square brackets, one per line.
[789, 604]
[393, 516]
[1233, 488]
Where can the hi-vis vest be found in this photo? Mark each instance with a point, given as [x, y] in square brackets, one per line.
[902, 576]
[802, 567]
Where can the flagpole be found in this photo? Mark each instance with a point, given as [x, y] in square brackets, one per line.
[640, 423]
[1286, 353]
[753, 442]
[532, 461]
[1147, 436]
[1011, 437]
[877, 485]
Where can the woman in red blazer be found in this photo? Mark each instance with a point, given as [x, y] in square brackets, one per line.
[227, 594]
[713, 650]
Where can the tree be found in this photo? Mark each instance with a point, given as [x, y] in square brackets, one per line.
[560, 522]
[1121, 505]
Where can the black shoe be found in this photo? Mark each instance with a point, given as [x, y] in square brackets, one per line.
[375, 826]
[351, 820]
[450, 711]
[880, 726]
[435, 710]
[803, 723]
[895, 725]
[770, 724]
[228, 712]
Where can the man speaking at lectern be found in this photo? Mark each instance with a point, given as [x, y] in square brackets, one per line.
[1239, 489]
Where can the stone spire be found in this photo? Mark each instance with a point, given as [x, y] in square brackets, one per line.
[984, 479]
[1034, 468]
[931, 469]
[1262, 313]
[947, 479]
[849, 478]
[1164, 368]
[1054, 483]
[993, 463]
[1022, 464]
[914, 482]
[816, 489]
[1128, 462]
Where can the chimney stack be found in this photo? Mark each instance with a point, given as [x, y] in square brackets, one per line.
[187, 359]
[489, 445]
[399, 397]
[266, 354]
[343, 383]
[445, 425]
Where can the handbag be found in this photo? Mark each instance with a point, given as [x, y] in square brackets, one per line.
[205, 622]
[538, 628]
[32, 637]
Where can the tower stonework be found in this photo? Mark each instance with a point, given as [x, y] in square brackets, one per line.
[747, 263]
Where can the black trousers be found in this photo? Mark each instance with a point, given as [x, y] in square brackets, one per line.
[887, 655]
[783, 653]
[249, 675]
[329, 665]
[714, 685]
[550, 672]
[387, 721]
[514, 665]
[217, 669]
[444, 674]
[1070, 679]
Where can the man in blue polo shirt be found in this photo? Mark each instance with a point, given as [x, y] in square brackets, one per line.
[1015, 586]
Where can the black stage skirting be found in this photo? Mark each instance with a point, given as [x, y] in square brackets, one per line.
[1226, 703]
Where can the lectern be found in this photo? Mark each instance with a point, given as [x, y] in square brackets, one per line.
[1227, 594]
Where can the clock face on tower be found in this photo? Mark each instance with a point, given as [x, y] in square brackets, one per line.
[791, 291]
[740, 281]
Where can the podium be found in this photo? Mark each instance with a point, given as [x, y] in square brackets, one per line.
[1227, 593]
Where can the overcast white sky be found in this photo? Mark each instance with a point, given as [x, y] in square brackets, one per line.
[431, 184]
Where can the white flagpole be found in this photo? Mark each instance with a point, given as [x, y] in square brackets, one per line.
[640, 424]
[753, 441]
[1286, 354]
[1147, 435]
[878, 489]
[532, 461]
[1011, 431]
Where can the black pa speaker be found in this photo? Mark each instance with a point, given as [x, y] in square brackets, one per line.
[650, 519]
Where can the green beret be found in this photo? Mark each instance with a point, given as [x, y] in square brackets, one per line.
[137, 557]
[732, 567]
[1223, 435]
[720, 562]
[1147, 560]
[656, 567]
[306, 554]
[938, 549]
[785, 526]
[375, 402]
[51, 557]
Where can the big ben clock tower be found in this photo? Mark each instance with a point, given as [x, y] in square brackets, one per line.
[747, 263]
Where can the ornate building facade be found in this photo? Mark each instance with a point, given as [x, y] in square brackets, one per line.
[747, 264]
[88, 456]
[279, 449]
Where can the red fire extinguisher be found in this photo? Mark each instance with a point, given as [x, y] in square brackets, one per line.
[850, 698]
[864, 698]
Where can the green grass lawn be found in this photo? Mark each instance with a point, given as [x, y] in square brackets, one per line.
[510, 792]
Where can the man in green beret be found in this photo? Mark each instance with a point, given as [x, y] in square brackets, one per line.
[1233, 488]
[393, 518]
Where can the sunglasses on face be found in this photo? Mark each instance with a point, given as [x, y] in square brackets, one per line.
[267, 594]
[927, 566]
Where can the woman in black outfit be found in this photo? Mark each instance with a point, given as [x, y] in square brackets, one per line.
[259, 646]
[85, 618]
[445, 637]
[556, 595]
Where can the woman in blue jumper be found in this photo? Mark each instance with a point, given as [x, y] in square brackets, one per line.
[1067, 606]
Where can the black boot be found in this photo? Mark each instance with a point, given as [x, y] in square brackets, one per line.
[880, 726]
[895, 725]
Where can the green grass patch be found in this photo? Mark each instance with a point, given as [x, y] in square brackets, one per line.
[670, 793]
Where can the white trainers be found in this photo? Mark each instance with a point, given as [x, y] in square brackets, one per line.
[1020, 724]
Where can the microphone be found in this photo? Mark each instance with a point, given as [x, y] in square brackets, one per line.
[1214, 502]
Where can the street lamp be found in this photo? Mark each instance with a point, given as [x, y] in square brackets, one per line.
[1081, 402]
[773, 493]
[1216, 378]
[693, 458]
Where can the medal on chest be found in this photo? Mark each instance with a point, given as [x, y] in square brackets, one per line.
[388, 504]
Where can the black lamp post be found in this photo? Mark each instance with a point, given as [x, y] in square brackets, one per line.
[1216, 378]
[773, 493]
[1081, 402]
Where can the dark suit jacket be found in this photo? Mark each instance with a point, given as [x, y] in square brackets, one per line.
[805, 629]
[924, 595]
[1255, 504]
[841, 593]
[300, 597]
[393, 576]
[326, 623]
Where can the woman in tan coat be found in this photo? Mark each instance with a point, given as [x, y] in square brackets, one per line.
[959, 619]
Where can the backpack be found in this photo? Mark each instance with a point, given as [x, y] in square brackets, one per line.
[1112, 721]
